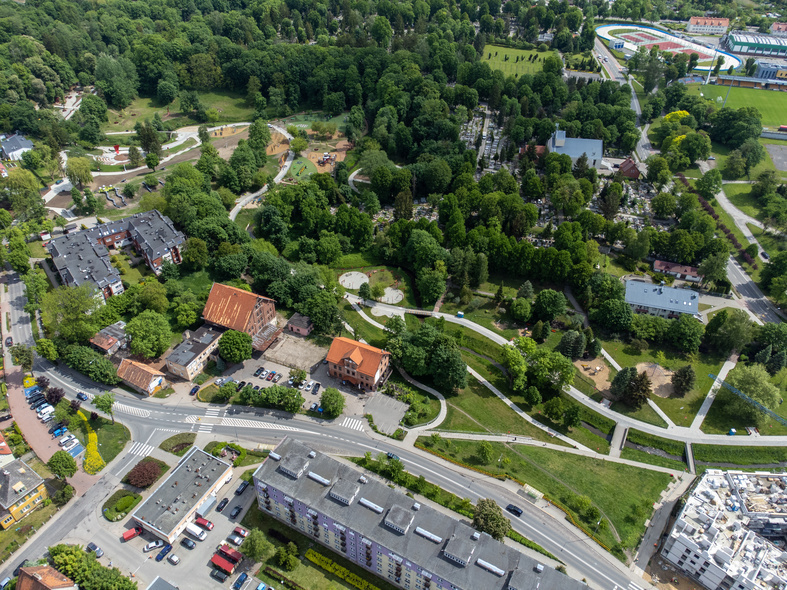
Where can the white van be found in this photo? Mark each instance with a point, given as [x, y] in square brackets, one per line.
[196, 532]
[45, 411]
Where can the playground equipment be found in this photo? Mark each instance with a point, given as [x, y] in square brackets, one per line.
[326, 159]
[749, 400]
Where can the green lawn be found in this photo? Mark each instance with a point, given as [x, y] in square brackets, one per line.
[643, 457]
[11, 539]
[362, 328]
[496, 57]
[740, 196]
[37, 250]
[387, 276]
[231, 106]
[739, 455]
[245, 219]
[198, 283]
[487, 315]
[307, 574]
[131, 275]
[302, 168]
[680, 410]
[179, 444]
[356, 261]
[719, 420]
[429, 404]
[772, 105]
[624, 494]
[771, 243]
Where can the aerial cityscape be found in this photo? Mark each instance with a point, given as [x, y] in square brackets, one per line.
[479, 295]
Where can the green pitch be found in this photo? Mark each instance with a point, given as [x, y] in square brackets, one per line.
[512, 67]
[772, 104]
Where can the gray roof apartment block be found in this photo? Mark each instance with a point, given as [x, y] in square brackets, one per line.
[660, 297]
[154, 232]
[17, 479]
[430, 535]
[79, 259]
[182, 492]
[194, 345]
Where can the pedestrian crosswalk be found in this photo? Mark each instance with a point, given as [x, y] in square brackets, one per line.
[353, 423]
[124, 409]
[633, 586]
[209, 413]
[140, 449]
[243, 423]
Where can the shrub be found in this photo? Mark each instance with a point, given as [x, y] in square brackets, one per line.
[144, 474]
[124, 504]
[93, 462]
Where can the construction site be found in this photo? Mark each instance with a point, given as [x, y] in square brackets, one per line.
[731, 532]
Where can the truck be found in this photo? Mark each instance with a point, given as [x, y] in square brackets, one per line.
[223, 564]
[196, 532]
[131, 533]
[229, 553]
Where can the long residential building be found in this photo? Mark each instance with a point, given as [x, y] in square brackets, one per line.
[387, 533]
[82, 257]
[665, 302]
[723, 537]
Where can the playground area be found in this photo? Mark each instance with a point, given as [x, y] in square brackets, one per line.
[660, 378]
[391, 283]
[278, 144]
[596, 370]
[629, 38]
[304, 121]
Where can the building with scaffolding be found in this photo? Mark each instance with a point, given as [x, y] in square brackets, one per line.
[730, 534]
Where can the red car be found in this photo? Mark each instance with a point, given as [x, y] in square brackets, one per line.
[270, 376]
[205, 524]
[240, 531]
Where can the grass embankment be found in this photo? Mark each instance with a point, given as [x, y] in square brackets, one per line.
[669, 446]
[306, 574]
[179, 444]
[719, 420]
[740, 455]
[429, 405]
[681, 410]
[624, 494]
[771, 243]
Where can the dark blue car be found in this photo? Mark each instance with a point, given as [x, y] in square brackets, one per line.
[83, 396]
[240, 581]
[194, 389]
[163, 553]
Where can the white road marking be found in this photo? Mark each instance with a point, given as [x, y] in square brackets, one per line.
[353, 424]
[140, 449]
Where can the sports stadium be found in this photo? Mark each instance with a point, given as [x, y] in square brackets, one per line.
[629, 38]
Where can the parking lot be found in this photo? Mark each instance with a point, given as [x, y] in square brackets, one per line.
[194, 563]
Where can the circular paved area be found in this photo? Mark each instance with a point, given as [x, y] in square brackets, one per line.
[392, 296]
[353, 280]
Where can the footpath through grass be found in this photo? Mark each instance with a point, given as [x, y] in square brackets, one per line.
[624, 494]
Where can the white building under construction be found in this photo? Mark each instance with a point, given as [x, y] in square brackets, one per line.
[731, 533]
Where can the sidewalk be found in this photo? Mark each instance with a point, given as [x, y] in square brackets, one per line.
[728, 366]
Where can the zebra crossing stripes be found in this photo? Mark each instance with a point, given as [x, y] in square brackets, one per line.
[124, 409]
[353, 424]
[140, 449]
[243, 423]
[633, 586]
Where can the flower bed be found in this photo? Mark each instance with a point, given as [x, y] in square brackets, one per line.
[93, 463]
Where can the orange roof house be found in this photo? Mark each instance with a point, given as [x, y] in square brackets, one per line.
[140, 376]
[243, 311]
[43, 577]
[6, 454]
[365, 366]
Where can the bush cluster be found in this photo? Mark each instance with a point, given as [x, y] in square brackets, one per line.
[339, 571]
[93, 462]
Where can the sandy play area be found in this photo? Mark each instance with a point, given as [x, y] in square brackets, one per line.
[596, 370]
[659, 376]
[278, 144]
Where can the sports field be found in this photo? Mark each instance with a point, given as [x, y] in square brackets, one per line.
[518, 63]
[771, 104]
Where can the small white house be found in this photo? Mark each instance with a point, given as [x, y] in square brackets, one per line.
[14, 146]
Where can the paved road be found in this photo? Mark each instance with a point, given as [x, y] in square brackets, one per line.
[750, 293]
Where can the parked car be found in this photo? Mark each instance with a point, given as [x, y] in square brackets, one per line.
[70, 445]
[48, 418]
[236, 511]
[66, 439]
[302, 384]
[131, 533]
[9, 341]
[313, 407]
[240, 531]
[235, 540]
[278, 377]
[173, 559]
[93, 548]
[240, 581]
[316, 388]
[765, 255]
[392, 456]
[309, 386]
[219, 575]
[241, 385]
[35, 398]
[188, 543]
[39, 404]
[205, 524]
[82, 395]
[290, 381]
[222, 504]
[194, 390]
[163, 553]
[256, 388]
[270, 376]
[263, 586]
[54, 427]
[258, 371]
[516, 510]
[241, 488]
[153, 545]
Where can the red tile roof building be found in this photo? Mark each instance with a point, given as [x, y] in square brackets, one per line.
[141, 377]
[779, 29]
[43, 577]
[707, 24]
[242, 311]
[680, 271]
[362, 365]
[629, 169]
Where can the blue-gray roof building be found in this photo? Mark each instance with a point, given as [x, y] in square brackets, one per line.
[14, 146]
[666, 302]
[574, 147]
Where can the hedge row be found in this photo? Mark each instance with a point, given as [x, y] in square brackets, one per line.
[93, 462]
[340, 572]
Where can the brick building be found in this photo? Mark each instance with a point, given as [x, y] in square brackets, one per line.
[243, 311]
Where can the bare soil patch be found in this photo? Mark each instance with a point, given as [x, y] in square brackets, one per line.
[596, 370]
[295, 351]
[659, 376]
